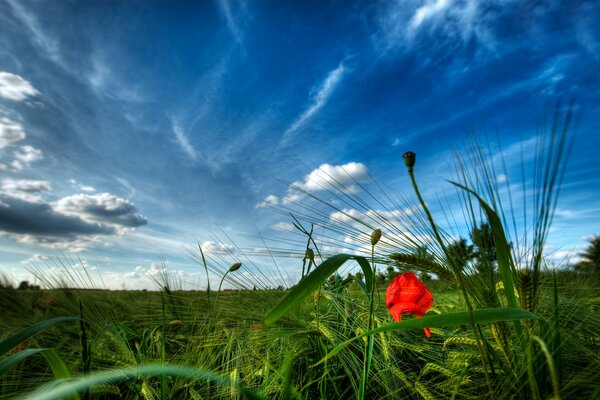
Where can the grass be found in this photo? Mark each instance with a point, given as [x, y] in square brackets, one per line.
[503, 324]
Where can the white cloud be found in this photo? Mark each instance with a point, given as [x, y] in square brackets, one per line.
[79, 186]
[182, 140]
[284, 226]
[338, 177]
[28, 190]
[319, 100]
[451, 24]
[428, 11]
[369, 217]
[13, 87]
[10, 132]
[35, 258]
[211, 247]
[28, 154]
[292, 197]
[270, 200]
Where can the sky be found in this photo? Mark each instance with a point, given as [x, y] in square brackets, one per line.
[132, 132]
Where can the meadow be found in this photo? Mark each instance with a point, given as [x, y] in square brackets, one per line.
[505, 323]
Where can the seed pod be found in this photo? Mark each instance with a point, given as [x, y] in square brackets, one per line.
[409, 160]
[375, 236]
[235, 267]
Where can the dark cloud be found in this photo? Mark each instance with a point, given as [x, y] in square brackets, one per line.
[103, 208]
[22, 217]
[72, 223]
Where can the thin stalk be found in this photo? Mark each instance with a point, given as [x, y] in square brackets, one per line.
[85, 348]
[219, 290]
[207, 278]
[460, 282]
[163, 354]
[369, 346]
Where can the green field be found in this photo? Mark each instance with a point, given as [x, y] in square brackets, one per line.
[134, 329]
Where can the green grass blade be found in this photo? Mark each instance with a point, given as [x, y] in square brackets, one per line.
[28, 332]
[502, 247]
[313, 281]
[59, 369]
[57, 365]
[121, 375]
[491, 315]
[10, 362]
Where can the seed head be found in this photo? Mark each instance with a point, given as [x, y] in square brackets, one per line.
[235, 267]
[375, 236]
[409, 160]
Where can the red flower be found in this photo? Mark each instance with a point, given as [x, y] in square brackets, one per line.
[408, 295]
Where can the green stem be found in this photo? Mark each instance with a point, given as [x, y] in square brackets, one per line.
[219, 291]
[459, 279]
[207, 278]
[369, 346]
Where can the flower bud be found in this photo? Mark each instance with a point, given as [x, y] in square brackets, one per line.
[375, 236]
[409, 160]
[235, 267]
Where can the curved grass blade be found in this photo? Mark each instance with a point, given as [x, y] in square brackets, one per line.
[28, 332]
[490, 315]
[57, 365]
[120, 375]
[10, 362]
[313, 281]
[502, 247]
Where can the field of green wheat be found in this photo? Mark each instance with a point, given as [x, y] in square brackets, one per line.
[415, 312]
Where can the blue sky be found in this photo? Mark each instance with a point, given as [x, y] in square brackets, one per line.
[131, 131]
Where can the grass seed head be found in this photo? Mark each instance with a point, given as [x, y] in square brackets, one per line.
[375, 236]
[235, 267]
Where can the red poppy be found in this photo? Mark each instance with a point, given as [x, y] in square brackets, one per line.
[408, 295]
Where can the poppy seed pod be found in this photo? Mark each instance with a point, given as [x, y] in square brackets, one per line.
[408, 295]
[235, 267]
[409, 160]
[375, 236]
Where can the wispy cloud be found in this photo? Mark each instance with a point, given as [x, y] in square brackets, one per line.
[428, 11]
[318, 101]
[39, 37]
[79, 186]
[182, 140]
[231, 19]
[452, 24]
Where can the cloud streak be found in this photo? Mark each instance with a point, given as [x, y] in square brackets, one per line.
[318, 101]
[183, 141]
